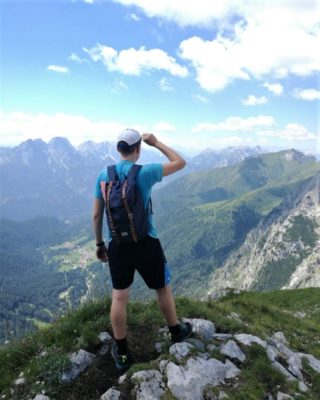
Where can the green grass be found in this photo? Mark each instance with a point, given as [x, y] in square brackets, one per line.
[258, 377]
[42, 356]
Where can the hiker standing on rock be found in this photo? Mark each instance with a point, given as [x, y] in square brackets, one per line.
[124, 191]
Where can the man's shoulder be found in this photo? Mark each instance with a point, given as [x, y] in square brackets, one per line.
[151, 173]
[151, 167]
[103, 175]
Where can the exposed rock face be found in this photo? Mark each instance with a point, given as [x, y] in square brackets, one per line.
[188, 382]
[194, 371]
[149, 385]
[282, 252]
[191, 370]
[79, 362]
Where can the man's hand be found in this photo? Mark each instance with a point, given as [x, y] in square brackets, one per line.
[102, 254]
[150, 139]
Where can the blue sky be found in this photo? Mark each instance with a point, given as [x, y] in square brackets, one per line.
[198, 74]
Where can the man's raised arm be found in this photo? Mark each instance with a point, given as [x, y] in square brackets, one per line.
[176, 161]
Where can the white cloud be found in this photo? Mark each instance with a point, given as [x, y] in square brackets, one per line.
[200, 98]
[201, 12]
[16, 127]
[75, 58]
[260, 48]
[134, 17]
[213, 61]
[291, 132]
[163, 127]
[271, 39]
[237, 124]
[252, 100]
[57, 68]
[307, 94]
[275, 88]
[135, 62]
[165, 85]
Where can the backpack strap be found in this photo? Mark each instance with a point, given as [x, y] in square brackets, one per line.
[134, 172]
[131, 177]
[129, 212]
[112, 173]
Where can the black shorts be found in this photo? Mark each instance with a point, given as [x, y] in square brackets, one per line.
[145, 256]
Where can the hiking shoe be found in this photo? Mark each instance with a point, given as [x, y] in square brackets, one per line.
[121, 361]
[185, 332]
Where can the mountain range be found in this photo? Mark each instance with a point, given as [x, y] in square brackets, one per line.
[56, 179]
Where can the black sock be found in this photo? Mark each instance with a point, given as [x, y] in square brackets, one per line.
[122, 346]
[174, 330]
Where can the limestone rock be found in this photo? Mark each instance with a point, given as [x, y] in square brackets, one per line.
[283, 396]
[232, 370]
[303, 387]
[20, 382]
[283, 370]
[233, 351]
[211, 347]
[163, 366]
[79, 362]
[279, 336]
[180, 350]
[272, 353]
[248, 339]
[158, 347]
[187, 382]
[203, 328]
[149, 385]
[111, 394]
[222, 336]
[41, 397]
[122, 379]
[313, 362]
[105, 337]
[198, 344]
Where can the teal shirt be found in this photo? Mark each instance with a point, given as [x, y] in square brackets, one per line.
[148, 175]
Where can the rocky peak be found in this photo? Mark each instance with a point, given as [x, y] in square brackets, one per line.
[61, 144]
[295, 155]
[31, 151]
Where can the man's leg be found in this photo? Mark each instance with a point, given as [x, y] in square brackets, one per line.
[167, 305]
[118, 313]
[178, 332]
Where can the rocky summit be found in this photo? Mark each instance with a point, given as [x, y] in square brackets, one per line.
[244, 346]
[200, 367]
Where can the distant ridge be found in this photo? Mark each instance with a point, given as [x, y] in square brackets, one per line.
[57, 179]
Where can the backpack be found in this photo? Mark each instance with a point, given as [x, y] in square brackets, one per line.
[126, 215]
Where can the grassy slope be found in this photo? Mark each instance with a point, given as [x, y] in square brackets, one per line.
[261, 314]
[211, 212]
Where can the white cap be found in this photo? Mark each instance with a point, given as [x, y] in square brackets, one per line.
[129, 136]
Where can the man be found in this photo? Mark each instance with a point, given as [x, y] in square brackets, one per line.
[146, 256]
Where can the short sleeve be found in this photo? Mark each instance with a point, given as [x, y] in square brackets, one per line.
[103, 177]
[151, 174]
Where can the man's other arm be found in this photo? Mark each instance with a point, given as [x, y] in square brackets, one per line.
[176, 161]
[98, 207]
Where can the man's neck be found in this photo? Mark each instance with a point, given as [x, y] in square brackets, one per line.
[131, 158]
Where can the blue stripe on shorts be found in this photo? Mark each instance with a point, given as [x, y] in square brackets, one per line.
[167, 274]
